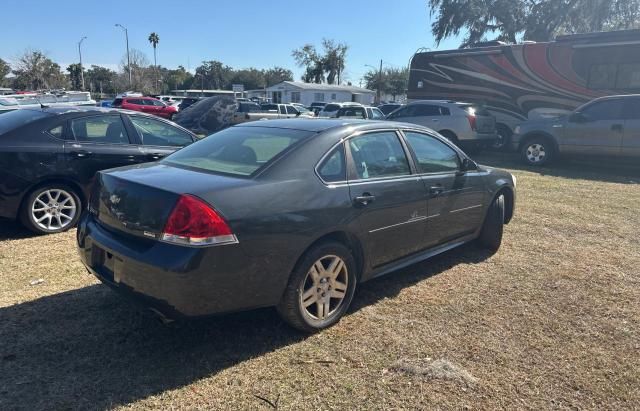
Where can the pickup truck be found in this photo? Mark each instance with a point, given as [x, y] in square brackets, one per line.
[251, 112]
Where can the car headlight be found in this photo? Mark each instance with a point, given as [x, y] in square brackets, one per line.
[516, 130]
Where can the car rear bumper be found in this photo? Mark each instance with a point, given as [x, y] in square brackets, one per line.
[177, 281]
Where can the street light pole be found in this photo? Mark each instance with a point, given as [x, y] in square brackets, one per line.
[80, 53]
[126, 35]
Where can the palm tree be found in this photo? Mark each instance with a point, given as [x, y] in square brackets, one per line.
[154, 39]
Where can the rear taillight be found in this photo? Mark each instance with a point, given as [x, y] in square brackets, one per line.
[193, 222]
[472, 122]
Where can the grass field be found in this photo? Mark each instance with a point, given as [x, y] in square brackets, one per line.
[551, 321]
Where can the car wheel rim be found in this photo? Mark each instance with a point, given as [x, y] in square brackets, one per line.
[54, 209]
[536, 153]
[324, 288]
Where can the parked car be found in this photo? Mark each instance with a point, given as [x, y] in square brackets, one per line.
[388, 108]
[201, 232]
[315, 104]
[268, 112]
[331, 109]
[48, 158]
[604, 127]
[467, 125]
[187, 102]
[148, 105]
[360, 112]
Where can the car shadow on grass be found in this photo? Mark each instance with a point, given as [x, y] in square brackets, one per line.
[91, 348]
[605, 170]
[13, 230]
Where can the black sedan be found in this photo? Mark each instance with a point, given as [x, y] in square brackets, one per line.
[49, 157]
[287, 213]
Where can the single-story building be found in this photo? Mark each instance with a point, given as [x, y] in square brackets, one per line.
[307, 93]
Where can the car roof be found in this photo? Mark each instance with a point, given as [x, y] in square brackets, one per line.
[60, 110]
[318, 125]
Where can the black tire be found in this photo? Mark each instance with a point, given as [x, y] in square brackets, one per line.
[537, 151]
[503, 143]
[493, 226]
[291, 307]
[69, 219]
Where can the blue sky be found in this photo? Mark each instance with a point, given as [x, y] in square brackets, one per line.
[248, 33]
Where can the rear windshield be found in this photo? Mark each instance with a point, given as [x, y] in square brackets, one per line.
[16, 118]
[240, 151]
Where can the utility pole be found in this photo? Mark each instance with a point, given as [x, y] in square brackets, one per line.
[80, 53]
[380, 82]
[126, 35]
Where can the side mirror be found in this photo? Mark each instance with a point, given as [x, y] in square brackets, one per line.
[298, 114]
[578, 118]
[468, 165]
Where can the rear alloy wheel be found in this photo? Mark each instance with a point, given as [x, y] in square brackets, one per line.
[537, 152]
[51, 209]
[320, 289]
[503, 139]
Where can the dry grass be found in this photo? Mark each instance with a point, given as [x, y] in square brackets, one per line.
[551, 321]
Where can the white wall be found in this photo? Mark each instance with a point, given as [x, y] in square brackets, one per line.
[309, 96]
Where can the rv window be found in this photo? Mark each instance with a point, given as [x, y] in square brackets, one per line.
[628, 76]
[602, 76]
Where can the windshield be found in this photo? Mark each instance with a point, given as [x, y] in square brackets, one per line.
[16, 118]
[241, 151]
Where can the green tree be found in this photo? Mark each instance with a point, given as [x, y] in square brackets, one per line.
[320, 66]
[74, 76]
[4, 70]
[251, 78]
[277, 75]
[214, 74]
[538, 20]
[35, 71]
[392, 82]
[179, 78]
[154, 39]
[102, 79]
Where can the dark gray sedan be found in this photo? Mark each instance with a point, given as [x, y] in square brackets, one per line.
[287, 213]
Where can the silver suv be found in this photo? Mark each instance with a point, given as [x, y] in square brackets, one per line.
[467, 125]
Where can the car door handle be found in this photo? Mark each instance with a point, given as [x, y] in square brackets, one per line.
[617, 127]
[155, 156]
[435, 120]
[364, 199]
[81, 153]
[436, 190]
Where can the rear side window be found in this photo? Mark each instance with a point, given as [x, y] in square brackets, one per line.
[158, 133]
[333, 168]
[330, 108]
[632, 109]
[100, 129]
[432, 155]
[17, 118]
[378, 155]
[56, 131]
[426, 110]
[241, 151]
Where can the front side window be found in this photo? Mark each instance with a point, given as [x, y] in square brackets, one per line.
[157, 133]
[378, 155]
[333, 168]
[100, 129]
[241, 151]
[432, 155]
[18, 118]
[632, 109]
[292, 110]
[401, 113]
[604, 110]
